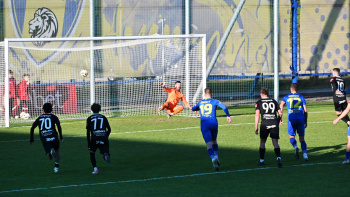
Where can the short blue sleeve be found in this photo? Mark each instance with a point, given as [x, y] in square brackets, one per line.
[285, 99]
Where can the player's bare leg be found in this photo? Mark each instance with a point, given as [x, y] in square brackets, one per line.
[296, 149]
[262, 151]
[277, 152]
[347, 155]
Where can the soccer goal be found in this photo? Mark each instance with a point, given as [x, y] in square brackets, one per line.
[123, 74]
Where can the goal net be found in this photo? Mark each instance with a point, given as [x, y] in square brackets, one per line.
[123, 75]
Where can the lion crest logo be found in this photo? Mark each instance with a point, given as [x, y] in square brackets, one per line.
[43, 25]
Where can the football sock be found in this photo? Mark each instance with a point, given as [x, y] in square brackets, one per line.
[345, 119]
[347, 155]
[93, 159]
[57, 165]
[303, 146]
[95, 169]
[211, 153]
[216, 149]
[278, 152]
[262, 153]
[293, 142]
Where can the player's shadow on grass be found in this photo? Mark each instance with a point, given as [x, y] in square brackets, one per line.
[332, 153]
[136, 156]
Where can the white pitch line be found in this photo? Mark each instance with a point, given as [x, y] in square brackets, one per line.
[150, 131]
[163, 178]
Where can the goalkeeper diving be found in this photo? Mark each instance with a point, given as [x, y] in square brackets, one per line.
[174, 97]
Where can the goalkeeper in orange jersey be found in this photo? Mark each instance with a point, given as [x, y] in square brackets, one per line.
[174, 97]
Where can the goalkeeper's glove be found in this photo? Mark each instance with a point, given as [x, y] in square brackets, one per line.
[162, 85]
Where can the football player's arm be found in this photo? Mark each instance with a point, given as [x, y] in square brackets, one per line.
[280, 112]
[305, 112]
[108, 127]
[185, 102]
[165, 88]
[88, 133]
[334, 85]
[196, 107]
[223, 107]
[345, 112]
[59, 128]
[35, 124]
[257, 118]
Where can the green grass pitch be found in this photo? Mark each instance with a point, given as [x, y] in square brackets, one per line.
[156, 156]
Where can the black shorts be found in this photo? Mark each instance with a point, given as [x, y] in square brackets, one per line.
[273, 130]
[340, 105]
[50, 142]
[103, 145]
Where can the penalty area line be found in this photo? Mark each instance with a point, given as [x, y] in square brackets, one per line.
[164, 178]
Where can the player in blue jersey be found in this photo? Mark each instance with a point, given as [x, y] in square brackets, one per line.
[209, 124]
[344, 114]
[296, 118]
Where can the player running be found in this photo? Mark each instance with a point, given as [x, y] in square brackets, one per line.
[97, 125]
[209, 124]
[339, 95]
[174, 97]
[48, 134]
[268, 108]
[347, 153]
[297, 119]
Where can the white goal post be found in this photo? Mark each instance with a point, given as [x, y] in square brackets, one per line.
[124, 74]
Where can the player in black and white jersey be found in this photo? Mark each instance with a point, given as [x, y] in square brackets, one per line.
[268, 108]
[47, 123]
[339, 95]
[97, 132]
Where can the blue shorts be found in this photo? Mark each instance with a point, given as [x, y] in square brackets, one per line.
[296, 126]
[209, 130]
[349, 131]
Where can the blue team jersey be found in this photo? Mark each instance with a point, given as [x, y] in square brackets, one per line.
[207, 108]
[295, 109]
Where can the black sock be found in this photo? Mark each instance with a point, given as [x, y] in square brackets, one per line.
[93, 159]
[278, 152]
[262, 153]
[57, 165]
[345, 119]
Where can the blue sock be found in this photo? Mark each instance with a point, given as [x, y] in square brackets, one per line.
[293, 142]
[216, 149]
[211, 153]
[347, 155]
[303, 146]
